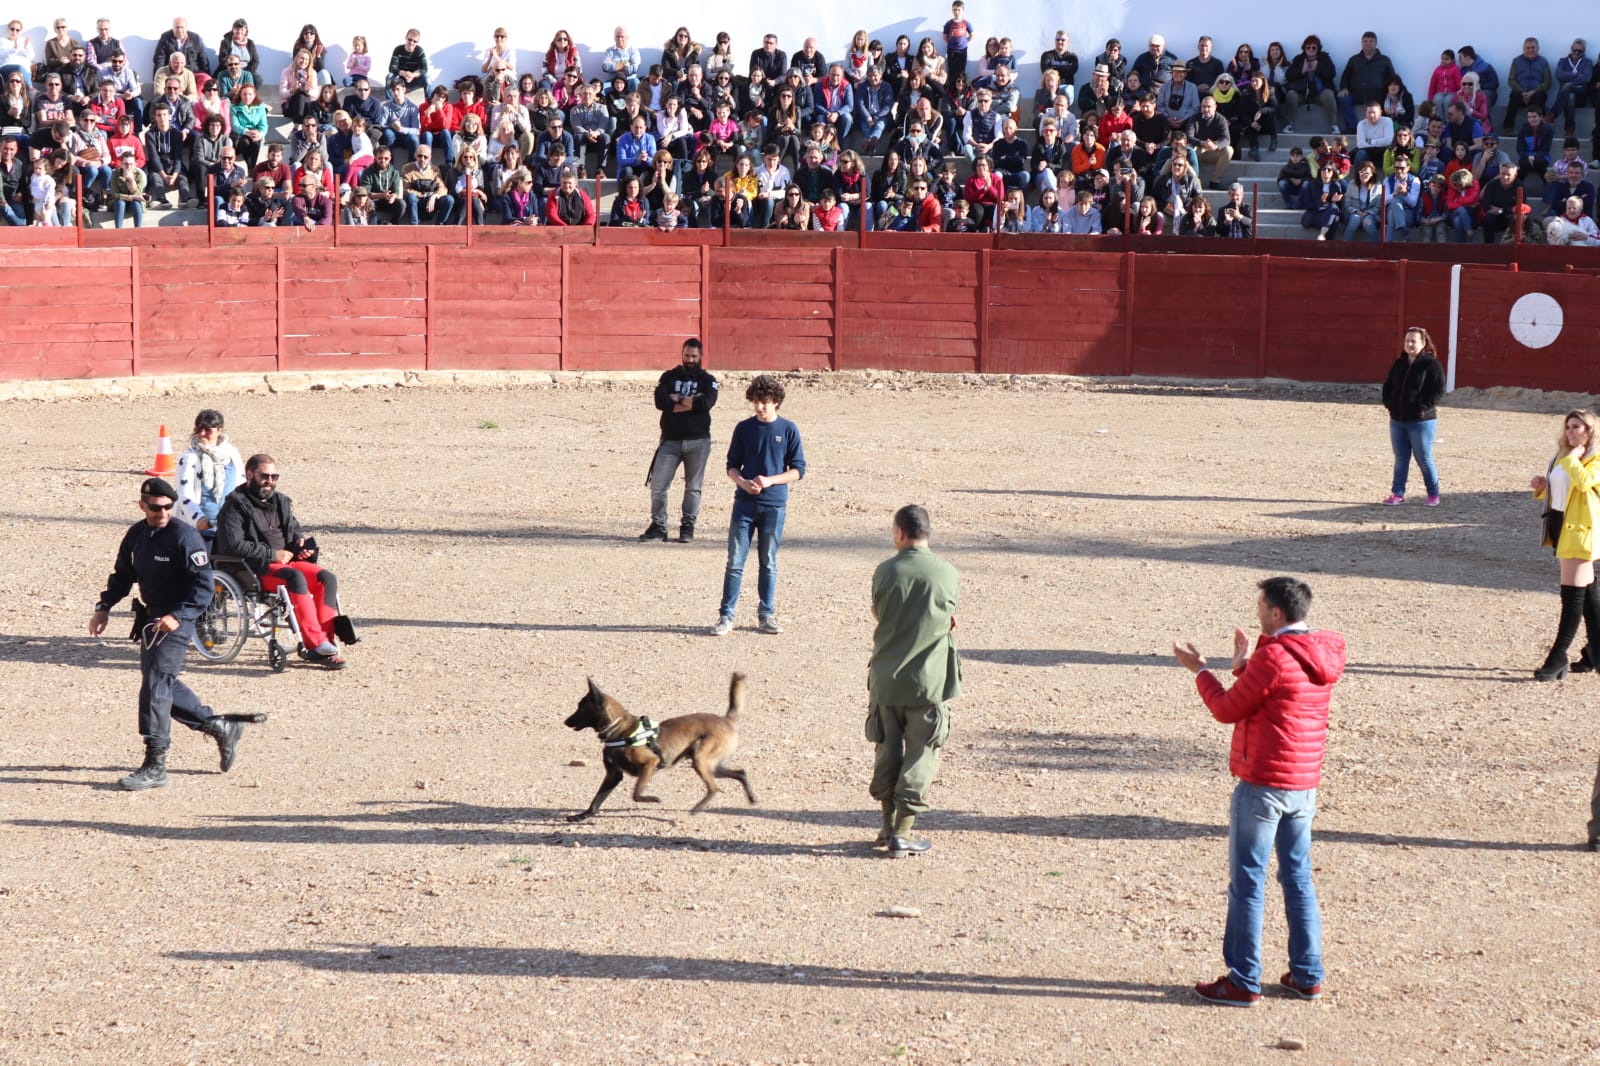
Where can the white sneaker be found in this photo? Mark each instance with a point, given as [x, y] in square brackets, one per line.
[769, 624]
[723, 627]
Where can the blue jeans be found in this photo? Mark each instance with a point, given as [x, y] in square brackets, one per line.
[439, 141]
[1408, 439]
[416, 209]
[1360, 221]
[766, 524]
[1462, 224]
[1261, 820]
[122, 208]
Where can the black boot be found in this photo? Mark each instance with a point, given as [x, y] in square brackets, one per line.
[153, 774]
[1589, 658]
[1555, 664]
[227, 734]
[655, 532]
[686, 532]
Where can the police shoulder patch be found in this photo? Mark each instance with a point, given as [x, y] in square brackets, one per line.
[199, 559]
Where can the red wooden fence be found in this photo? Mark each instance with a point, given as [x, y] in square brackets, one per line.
[181, 301]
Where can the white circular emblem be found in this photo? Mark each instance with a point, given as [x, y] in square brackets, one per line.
[1536, 320]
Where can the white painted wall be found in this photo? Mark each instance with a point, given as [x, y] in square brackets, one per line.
[453, 41]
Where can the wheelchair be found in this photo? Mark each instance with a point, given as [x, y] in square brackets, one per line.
[239, 610]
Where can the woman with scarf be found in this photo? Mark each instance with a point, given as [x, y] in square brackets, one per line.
[1239, 106]
[1571, 480]
[208, 470]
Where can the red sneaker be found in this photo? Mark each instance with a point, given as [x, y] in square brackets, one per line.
[1303, 991]
[1223, 991]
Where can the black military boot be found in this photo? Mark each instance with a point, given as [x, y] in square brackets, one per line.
[227, 735]
[686, 532]
[153, 774]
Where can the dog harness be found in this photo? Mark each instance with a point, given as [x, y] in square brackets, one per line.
[643, 736]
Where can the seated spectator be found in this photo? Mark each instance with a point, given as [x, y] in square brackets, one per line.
[621, 60]
[1205, 68]
[1575, 81]
[266, 204]
[1311, 78]
[1234, 221]
[471, 191]
[1089, 155]
[427, 197]
[1323, 201]
[1445, 81]
[520, 206]
[408, 64]
[961, 220]
[874, 109]
[179, 40]
[1050, 155]
[792, 212]
[358, 212]
[1402, 192]
[1176, 186]
[233, 212]
[209, 468]
[1094, 98]
[358, 64]
[257, 524]
[923, 212]
[1012, 216]
[386, 185]
[1178, 102]
[984, 192]
[1534, 144]
[399, 120]
[1010, 157]
[209, 148]
[313, 207]
[1486, 163]
[567, 204]
[1084, 218]
[360, 101]
[163, 153]
[635, 149]
[981, 127]
[16, 53]
[1473, 99]
[1375, 134]
[1365, 78]
[1498, 203]
[127, 192]
[1208, 132]
[1197, 220]
[1574, 185]
[249, 125]
[1363, 202]
[1527, 83]
[1461, 205]
[1573, 227]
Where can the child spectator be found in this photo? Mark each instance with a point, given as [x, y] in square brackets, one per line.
[42, 191]
[1445, 81]
[669, 218]
[957, 39]
[828, 215]
[1431, 210]
[358, 64]
[960, 221]
[232, 212]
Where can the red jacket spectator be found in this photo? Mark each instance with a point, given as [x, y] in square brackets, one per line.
[991, 192]
[572, 208]
[930, 215]
[1278, 707]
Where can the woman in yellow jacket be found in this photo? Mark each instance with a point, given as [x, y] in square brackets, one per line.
[1572, 479]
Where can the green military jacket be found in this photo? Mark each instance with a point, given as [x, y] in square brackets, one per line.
[914, 658]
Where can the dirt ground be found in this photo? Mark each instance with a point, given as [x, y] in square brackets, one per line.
[387, 877]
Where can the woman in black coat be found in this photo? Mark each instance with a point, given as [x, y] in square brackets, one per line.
[1411, 392]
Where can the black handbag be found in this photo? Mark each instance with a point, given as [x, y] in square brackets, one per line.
[1552, 527]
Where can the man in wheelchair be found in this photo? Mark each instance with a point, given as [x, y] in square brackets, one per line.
[257, 525]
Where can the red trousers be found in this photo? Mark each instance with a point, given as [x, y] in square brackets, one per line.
[308, 585]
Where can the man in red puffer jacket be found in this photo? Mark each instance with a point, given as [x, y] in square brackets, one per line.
[1278, 707]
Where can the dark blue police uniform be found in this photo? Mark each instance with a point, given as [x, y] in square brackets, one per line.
[173, 568]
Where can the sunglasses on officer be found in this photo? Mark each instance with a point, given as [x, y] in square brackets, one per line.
[155, 507]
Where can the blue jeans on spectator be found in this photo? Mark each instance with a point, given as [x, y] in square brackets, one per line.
[1410, 439]
[396, 139]
[1293, 196]
[1347, 113]
[1361, 221]
[443, 152]
[14, 214]
[1261, 820]
[1045, 179]
[442, 207]
[122, 208]
[1400, 219]
[94, 176]
[766, 525]
[872, 131]
[1569, 99]
[1462, 224]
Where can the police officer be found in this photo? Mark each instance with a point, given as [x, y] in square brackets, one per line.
[168, 558]
[914, 673]
[684, 396]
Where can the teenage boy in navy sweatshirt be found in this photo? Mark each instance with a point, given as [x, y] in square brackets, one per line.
[764, 458]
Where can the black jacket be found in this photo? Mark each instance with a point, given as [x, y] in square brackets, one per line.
[1413, 388]
[245, 522]
[171, 566]
[675, 384]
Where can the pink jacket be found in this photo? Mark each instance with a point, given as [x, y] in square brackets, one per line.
[1278, 707]
[1446, 79]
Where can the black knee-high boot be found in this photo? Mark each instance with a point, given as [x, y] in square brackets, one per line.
[1555, 664]
[1589, 658]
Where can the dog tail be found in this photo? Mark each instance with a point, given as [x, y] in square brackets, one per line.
[735, 696]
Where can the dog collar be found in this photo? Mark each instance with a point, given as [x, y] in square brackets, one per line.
[643, 735]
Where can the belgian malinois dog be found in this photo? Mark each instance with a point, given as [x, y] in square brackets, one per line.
[635, 747]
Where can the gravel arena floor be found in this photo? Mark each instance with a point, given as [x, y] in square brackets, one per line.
[387, 876]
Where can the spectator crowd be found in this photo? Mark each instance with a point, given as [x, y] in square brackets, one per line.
[927, 136]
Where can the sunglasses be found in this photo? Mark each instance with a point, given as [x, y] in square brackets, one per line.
[156, 507]
[274, 477]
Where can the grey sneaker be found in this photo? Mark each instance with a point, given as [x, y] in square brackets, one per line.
[723, 627]
[769, 624]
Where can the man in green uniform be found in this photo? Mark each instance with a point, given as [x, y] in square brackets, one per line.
[915, 671]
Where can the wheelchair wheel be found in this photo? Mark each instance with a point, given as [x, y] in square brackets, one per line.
[222, 628]
[277, 658]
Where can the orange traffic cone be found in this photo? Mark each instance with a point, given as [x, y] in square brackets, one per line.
[166, 464]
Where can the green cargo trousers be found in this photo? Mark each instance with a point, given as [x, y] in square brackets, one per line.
[907, 758]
